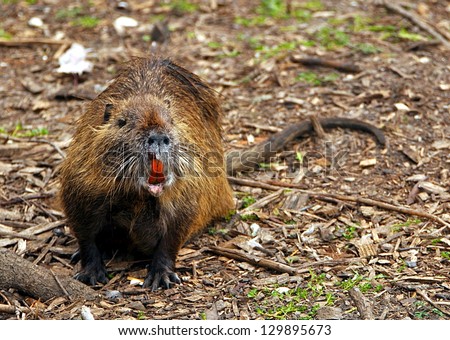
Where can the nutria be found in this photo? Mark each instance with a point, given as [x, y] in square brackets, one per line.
[147, 158]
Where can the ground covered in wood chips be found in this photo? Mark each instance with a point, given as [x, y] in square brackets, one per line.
[379, 248]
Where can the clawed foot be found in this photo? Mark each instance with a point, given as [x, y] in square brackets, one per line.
[92, 276]
[163, 277]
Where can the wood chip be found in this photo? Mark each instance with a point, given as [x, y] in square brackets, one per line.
[402, 107]
[432, 188]
[366, 247]
[411, 154]
[368, 162]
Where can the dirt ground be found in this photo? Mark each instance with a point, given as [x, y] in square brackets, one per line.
[380, 249]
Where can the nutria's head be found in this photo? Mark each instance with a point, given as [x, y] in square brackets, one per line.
[141, 143]
[155, 124]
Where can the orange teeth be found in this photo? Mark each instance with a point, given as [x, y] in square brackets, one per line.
[157, 172]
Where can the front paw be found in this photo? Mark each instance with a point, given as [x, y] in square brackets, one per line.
[161, 277]
[92, 276]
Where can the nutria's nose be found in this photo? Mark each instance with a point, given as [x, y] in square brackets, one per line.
[158, 143]
[159, 139]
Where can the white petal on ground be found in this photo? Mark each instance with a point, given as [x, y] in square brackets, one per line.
[74, 60]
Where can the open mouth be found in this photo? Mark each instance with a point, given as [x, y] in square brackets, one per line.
[156, 179]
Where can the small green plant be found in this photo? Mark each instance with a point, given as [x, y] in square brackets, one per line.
[250, 22]
[313, 5]
[249, 217]
[382, 28]
[309, 77]
[421, 312]
[360, 23]
[141, 315]
[202, 316]
[272, 8]
[215, 45]
[365, 287]
[332, 38]
[401, 267]
[378, 288]
[313, 78]
[252, 293]
[19, 131]
[366, 48]
[315, 283]
[86, 21]
[410, 221]
[350, 232]
[445, 255]
[438, 312]
[183, 6]
[363, 283]
[405, 34]
[68, 13]
[4, 34]
[230, 215]
[294, 302]
[247, 201]
[330, 298]
[34, 133]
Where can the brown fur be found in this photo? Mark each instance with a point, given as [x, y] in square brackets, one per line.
[104, 178]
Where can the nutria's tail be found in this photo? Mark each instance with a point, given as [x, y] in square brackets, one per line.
[262, 152]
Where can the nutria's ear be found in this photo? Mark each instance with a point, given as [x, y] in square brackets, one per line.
[107, 114]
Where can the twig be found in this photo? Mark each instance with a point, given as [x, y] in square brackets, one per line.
[362, 304]
[387, 206]
[45, 250]
[313, 62]
[11, 234]
[11, 309]
[8, 309]
[318, 128]
[60, 284]
[263, 202]
[262, 127]
[306, 267]
[323, 195]
[415, 20]
[34, 140]
[27, 42]
[35, 230]
[28, 197]
[251, 183]
[255, 260]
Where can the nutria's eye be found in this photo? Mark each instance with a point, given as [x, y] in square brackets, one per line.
[107, 114]
[121, 122]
